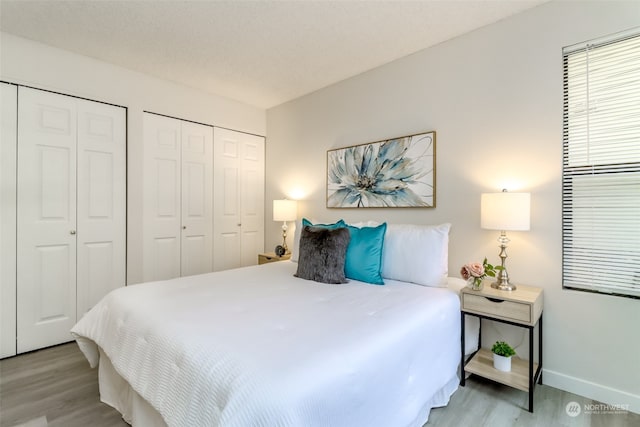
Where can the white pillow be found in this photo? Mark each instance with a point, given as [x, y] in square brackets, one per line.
[366, 224]
[416, 253]
[296, 241]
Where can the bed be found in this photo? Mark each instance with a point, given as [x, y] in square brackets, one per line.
[257, 346]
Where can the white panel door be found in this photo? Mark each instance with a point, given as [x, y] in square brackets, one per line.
[8, 144]
[162, 197]
[227, 216]
[197, 199]
[46, 249]
[239, 198]
[252, 198]
[101, 202]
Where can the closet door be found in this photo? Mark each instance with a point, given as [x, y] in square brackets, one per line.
[227, 217]
[252, 199]
[239, 198]
[197, 199]
[8, 137]
[162, 199]
[46, 249]
[101, 202]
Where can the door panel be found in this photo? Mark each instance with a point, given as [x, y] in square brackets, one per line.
[166, 258]
[52, 278]
[228, 247]
[231, 204]
[166, 180]
[101, 271]
[199, 259]
[252, 196]
[8, 158]
[197, 199]
[46, 224]
[162, 201]
[227, 230]
[101, 202]
[101, 194]
[54, 166]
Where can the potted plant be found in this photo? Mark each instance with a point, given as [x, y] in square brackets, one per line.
[502, 353]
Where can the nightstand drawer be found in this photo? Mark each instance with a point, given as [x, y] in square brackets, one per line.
[509, 310]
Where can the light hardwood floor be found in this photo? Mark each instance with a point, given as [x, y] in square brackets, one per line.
[58, 384]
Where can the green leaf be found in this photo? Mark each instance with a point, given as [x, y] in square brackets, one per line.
[501, 348]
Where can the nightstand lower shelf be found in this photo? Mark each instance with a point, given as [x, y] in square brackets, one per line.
[482, 364]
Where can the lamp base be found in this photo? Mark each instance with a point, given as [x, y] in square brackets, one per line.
[502, 278]
[284, 238]
[503, 286]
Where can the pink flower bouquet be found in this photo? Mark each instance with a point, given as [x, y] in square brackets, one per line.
[474, 272]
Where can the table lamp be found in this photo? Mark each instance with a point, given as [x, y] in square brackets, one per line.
[285, 210]
[505, 211]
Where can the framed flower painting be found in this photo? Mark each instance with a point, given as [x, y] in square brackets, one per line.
[396, 173]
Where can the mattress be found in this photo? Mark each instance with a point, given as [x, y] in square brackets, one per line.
[257, 346]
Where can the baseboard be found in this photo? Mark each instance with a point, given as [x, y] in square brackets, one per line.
[591, 390]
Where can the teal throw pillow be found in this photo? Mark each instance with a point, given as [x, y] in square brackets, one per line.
[364, 254]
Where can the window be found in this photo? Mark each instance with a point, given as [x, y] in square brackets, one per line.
[601, 166]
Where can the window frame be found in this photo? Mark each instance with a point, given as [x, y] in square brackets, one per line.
[571, 173]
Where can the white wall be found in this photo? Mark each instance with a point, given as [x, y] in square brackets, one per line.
[26, 62]
[494, 96]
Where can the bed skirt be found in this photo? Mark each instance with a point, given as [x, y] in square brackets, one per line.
[116, 392]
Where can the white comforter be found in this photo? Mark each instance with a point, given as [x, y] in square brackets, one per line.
[259, 347]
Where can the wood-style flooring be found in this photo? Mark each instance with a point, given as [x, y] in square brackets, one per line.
[58, 384]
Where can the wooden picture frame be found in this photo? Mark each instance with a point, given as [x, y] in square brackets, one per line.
[393, 173]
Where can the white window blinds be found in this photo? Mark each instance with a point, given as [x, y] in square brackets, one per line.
[601, 166]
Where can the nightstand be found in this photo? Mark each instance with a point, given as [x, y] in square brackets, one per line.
[271, 257]
[523, 308]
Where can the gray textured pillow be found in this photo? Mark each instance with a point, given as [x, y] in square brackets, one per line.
[322, 254]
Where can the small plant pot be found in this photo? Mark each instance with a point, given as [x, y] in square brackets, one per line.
[502, 363]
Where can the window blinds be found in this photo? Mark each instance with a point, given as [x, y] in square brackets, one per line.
[601, 166]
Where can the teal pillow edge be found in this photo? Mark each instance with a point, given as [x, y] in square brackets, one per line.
[337, 224]
[364, 254]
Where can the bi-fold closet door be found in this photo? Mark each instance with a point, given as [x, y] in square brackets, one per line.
[239, 198]
[70, 212]
[178, 198]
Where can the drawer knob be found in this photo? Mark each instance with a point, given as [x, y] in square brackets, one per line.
[495, 299]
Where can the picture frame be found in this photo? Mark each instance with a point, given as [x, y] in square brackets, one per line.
[392, 173]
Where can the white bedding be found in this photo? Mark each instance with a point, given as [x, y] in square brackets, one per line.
[257, 346]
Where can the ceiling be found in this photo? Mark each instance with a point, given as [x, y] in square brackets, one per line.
[262, 53]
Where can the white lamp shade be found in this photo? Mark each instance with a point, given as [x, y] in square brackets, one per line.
[285, 210]
[505, 211]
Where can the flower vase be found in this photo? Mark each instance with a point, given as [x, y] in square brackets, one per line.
[475, 283]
